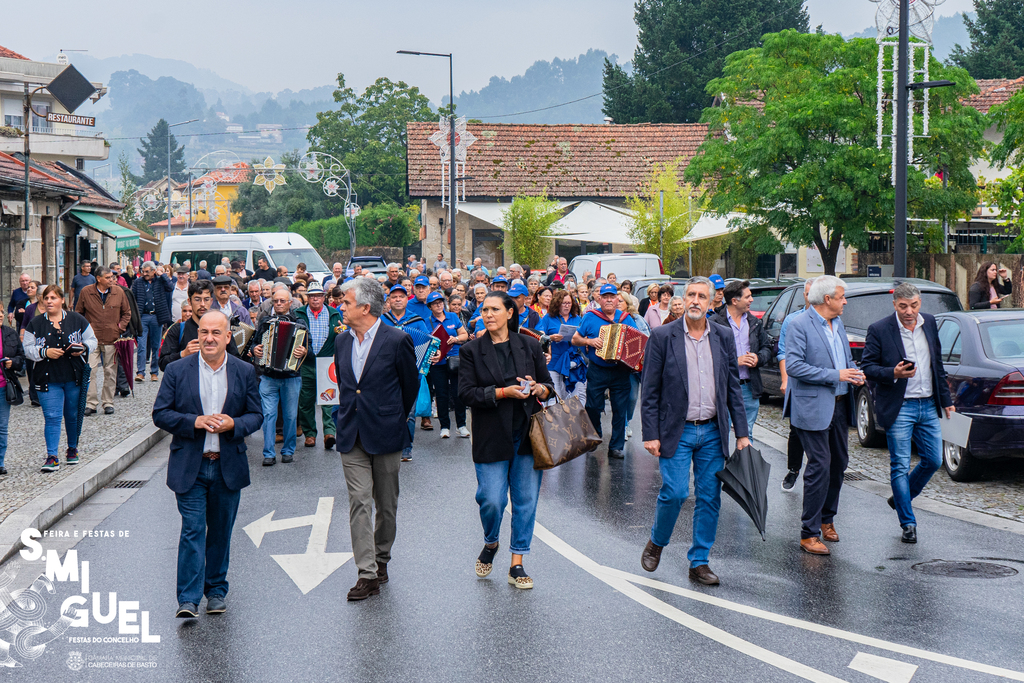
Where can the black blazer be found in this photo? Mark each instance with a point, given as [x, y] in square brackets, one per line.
[883, 350]
[480, 375]
[375, 409]
[759, 346]
[664, 388]
[13, 350]
[178, 405]
[977, 297]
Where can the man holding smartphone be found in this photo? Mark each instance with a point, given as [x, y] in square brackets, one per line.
[902, 357]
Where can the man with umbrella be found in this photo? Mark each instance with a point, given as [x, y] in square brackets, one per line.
[690, 391]
[106, 308]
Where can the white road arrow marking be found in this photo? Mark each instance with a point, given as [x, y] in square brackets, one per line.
[308, 569]
[882, 668]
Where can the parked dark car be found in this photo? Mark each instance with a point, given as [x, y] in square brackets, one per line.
[374, 264]
[867, 300]
[983, 354]
[766, 290]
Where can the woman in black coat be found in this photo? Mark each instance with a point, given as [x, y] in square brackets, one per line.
[501, 377]
[14, 358]
[987, 290]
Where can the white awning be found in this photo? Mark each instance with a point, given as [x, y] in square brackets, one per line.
[492, 212]
[592, 222]
[710, 226]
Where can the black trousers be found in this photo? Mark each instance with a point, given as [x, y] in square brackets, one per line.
[794, 451]
[827, 458]
[446, 388]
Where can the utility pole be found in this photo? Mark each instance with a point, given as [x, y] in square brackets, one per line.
[899, 262]
[169, 126]
[661, 225]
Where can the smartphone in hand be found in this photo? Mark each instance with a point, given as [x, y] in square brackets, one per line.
[909, 364]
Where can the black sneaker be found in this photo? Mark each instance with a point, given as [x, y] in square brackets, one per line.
[52, 464]
[71, 456]
[286, 457]
[3, 470]
[267, 462]
[187, 610]
[790, 481]
[517, 577]
[109, 410]
[215, 605]
[90, 411]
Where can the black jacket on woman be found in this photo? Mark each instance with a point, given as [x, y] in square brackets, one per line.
[978, 296]
[480, 375]
[40, 335]
[13, 351]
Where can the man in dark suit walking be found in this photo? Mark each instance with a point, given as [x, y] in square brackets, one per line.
[690, 390]
[378, 382]
[903, 358]
[209, 402]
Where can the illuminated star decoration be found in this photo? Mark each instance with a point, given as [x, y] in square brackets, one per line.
[150, 202]
[311, 170]
[920, 21]
[463, 138]
[268, 174]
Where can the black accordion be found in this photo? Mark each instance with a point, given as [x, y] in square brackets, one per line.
[279, 342]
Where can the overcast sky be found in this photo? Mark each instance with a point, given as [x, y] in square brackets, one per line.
[270, 45]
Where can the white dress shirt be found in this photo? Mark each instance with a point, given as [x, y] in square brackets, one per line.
[360, 350]
[915, 345]
[213, 389]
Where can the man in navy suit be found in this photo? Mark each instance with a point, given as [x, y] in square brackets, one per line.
[690, 390]
[819, 403]
[378, 383]
[902, 357]
[209, 402]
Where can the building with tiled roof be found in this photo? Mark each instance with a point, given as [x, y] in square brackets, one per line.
[994, 91]
[217, 207]
[11, 54]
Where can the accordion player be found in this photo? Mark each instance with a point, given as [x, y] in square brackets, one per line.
[622, 344]
[276, 342]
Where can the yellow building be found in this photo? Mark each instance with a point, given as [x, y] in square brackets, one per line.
[214, 193]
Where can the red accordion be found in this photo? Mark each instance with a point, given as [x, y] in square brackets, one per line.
[622, 344]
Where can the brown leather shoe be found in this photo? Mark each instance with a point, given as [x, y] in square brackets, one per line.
[814, 546]
[279, 438]
[329, 440]
[704, 575]
[382, 572]
[310, 441]
[363, 589]
[828, 533]
[426, 425]
[651, 556]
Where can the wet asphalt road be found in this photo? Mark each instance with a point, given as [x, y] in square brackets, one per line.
[779, 615]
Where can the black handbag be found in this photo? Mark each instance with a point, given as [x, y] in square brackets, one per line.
[15, 394]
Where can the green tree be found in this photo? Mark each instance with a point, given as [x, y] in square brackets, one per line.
[681, 212]
[367, 133]
[1008, 193]
[154, 154]
[804, 165]
[132, 211]
[681, 45]
[528, 229]
[387, 225]
[295, 201]
[997, 40]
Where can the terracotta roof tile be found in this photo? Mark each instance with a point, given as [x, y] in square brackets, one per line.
[994, 91]
[183, 221]
[236, 174]
[570, 161]
[12, 170]
[11, 54]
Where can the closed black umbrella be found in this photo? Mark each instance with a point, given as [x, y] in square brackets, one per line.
[82, 396]
[745, 480]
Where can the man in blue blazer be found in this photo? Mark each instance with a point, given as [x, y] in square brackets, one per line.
[820, 403]
[690, 390]
[209, 402]
[377, 383]
[903, 358]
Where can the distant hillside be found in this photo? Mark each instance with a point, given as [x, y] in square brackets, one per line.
[948, 32]
[543, 84]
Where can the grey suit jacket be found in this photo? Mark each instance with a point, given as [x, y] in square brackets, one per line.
[814, 374]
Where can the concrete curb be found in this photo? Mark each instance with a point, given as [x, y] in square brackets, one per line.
[45, 509]
[778, 442]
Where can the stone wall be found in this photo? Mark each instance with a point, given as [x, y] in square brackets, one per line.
[956, 271]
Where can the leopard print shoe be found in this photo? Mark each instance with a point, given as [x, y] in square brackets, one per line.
[517, 577]
[485, 563]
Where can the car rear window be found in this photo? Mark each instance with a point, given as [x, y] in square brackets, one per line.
[1003, 340]
[763, 298]
[864, 309]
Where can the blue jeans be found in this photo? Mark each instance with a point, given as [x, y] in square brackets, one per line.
[208, 512]
[751, 405]
[494, 479]
[60, 400]
[918, 421]
[634, 392]
[149, 344]
[616, 381]
[701, 444]
[5, 416]
[285, 392]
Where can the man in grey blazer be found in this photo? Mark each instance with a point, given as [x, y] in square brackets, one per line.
[820, 404]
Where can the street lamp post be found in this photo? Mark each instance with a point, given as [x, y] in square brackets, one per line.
[169, 126]
[451, 145]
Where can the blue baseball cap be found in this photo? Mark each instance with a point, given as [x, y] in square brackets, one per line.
[434, 296]
[717, 281]
[499, 278]
[421, 280]
[609, 288]
[518, 290]
[396, 288]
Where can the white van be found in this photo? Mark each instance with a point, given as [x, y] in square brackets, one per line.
[286, 249]
[625, 266]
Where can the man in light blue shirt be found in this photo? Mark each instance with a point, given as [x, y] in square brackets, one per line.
[794, 451]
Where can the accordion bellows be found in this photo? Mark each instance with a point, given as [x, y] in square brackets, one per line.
[425, 345]
[279, 344]
[622, 344]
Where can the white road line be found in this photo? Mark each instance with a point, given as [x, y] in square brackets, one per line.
[703, 628]
[816, 628]
[888, 670]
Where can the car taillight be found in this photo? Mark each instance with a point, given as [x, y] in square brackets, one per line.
[661, 266]
[1009, 391]
[597, 270]
[857, 345]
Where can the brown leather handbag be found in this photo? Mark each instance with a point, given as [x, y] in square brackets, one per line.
[560, 433]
